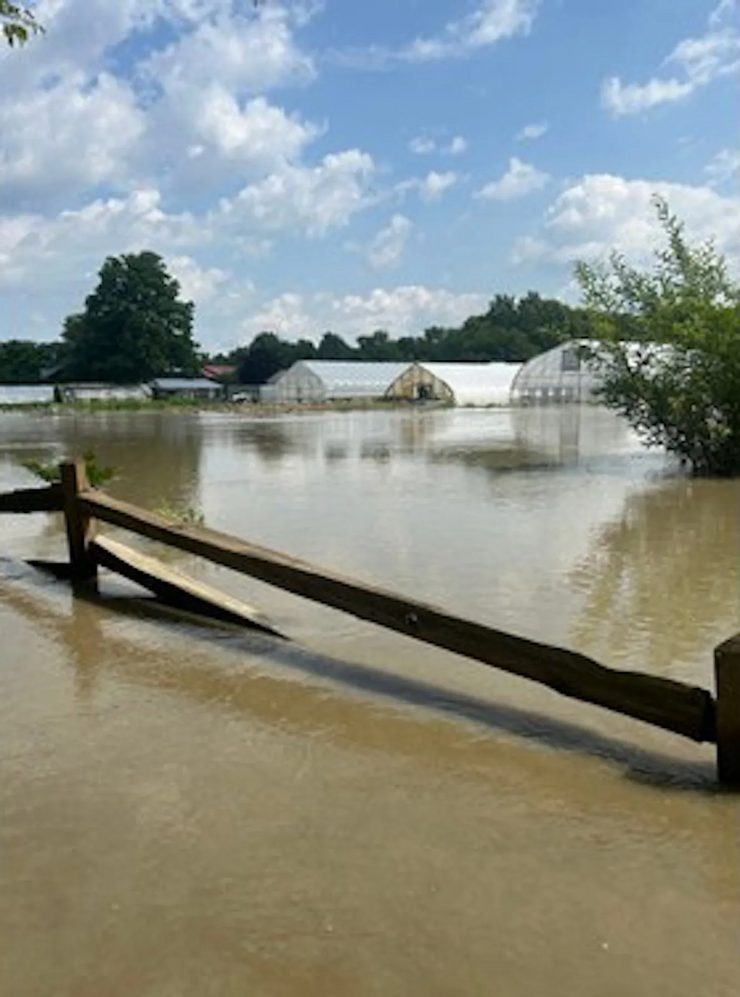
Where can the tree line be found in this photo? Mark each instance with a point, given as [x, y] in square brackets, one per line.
[135, 327]
[510, 329]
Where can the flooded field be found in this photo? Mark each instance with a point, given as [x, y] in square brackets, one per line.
[190, 810]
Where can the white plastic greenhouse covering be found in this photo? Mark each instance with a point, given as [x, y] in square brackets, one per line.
[476, 384]
[322, 380]
[26, 394]
[558, 375]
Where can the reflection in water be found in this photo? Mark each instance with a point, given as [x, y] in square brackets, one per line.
[661, 581]
[158, 454]
[101, 635]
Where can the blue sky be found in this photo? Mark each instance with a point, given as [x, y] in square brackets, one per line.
[357, 164]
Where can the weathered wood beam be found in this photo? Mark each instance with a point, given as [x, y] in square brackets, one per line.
[174, 587]
[80, 525]
[659, 701]
[727, 673]
[47, 499]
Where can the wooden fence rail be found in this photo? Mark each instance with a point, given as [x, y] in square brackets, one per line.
[674, 706]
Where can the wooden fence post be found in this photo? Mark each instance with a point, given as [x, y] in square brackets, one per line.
[80, 527]
[727, 674]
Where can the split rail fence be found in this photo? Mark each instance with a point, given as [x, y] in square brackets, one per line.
[687, 710]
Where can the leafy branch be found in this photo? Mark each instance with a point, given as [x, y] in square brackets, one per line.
[18, 23]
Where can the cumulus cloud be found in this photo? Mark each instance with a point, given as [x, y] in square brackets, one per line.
[602, 212]
[389, 245]
[434, 184]
[190, 112]
[519, 180]
[67, 137]
[696, 62]
[312, 199]
[405, 310]
[197, 283]
[531, 133]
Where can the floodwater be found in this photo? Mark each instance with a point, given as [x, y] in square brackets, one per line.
[187, 810]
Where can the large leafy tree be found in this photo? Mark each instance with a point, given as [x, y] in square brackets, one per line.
[134, 327]
[17, 23]
[677, 377]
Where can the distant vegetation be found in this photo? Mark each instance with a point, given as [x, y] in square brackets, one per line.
[135, 327]
[511, 329]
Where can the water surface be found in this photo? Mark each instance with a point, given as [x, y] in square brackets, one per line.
[190, 810]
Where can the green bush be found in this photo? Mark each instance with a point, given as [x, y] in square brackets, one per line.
[677, 381]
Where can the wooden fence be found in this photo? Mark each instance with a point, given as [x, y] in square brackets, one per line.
[687, 710]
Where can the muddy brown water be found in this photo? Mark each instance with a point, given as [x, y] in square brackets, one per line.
[187, 810]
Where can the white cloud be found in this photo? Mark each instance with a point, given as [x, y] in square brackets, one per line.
[389, 245]
[601, 212]
[721, 11]
[422, 145]
[310, 199]
[698, 61]
[71, 136]
[405, 310]
[724, 166]
[490, 22]
[242, 52]
[518, 180]
[434, 184]
[458, 146]
[190, 113]
[630, 98]
[532, 132]
[197, 283]
[37, 251]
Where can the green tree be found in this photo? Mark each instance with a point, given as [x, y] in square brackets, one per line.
[267, 354]
[677, 379]
[18, 23]
[25, 361]
[333, 347]
[134, 326]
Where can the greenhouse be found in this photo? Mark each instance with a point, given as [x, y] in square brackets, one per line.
[329, 380]
[472, 384]
[556, 376]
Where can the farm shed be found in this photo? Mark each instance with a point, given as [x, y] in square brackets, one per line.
[329, 380]
[90, 391]
[472, 384]
[187, 387]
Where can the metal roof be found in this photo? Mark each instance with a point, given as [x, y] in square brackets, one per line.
[362, 377]
[185, 383]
